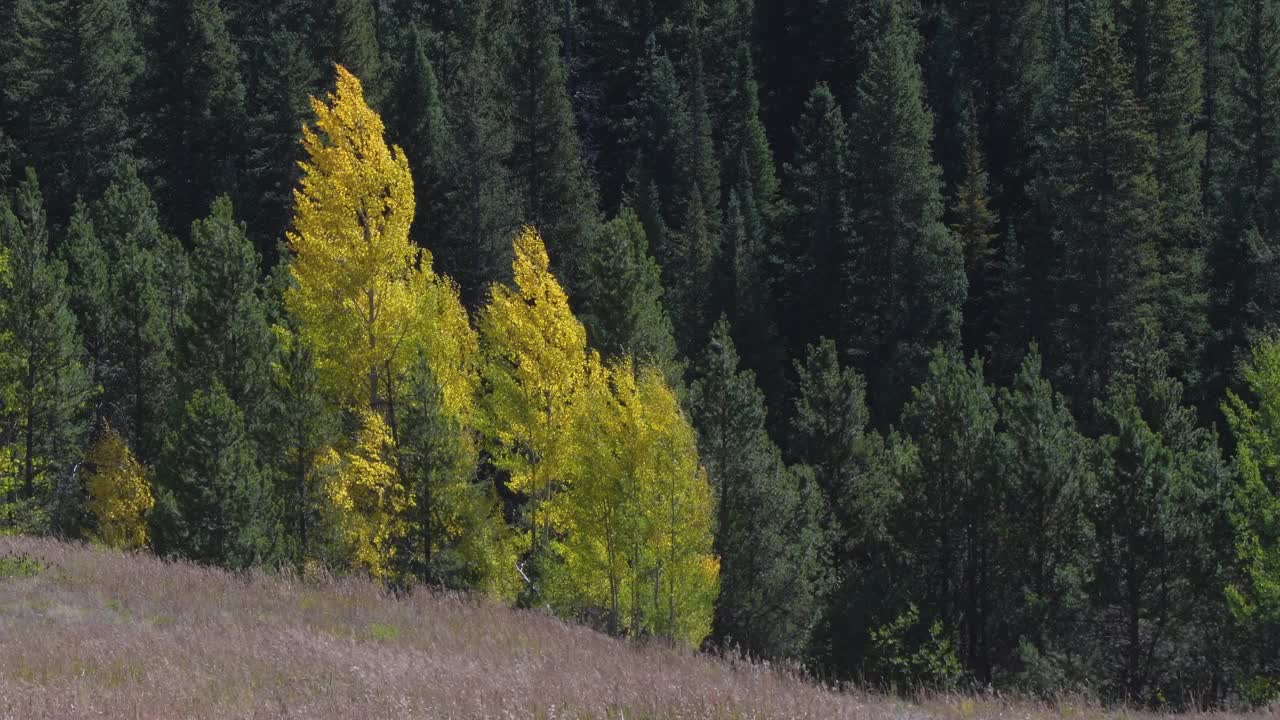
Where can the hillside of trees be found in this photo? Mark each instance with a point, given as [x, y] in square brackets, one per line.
[923, 342]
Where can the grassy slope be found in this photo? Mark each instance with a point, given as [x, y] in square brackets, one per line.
[101, 634]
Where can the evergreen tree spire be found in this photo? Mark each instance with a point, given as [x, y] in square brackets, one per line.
[72, 68]
[768, 535]
[817, 229]
[552, 180]
[907, 266]
[1106, 220]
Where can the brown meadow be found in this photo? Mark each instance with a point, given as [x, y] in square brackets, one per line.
[88, 632]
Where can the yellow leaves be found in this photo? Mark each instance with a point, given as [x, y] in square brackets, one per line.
[367, 496]
[119, 494]
[354, 269]
[534, 354]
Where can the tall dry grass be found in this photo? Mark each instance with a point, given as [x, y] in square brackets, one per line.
[95, 633]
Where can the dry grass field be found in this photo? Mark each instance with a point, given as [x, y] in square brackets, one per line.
[86, 632]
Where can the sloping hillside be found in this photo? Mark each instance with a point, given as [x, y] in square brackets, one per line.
[86, 632]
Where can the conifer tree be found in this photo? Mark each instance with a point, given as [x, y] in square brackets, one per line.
[546, 160]
[817, 232]
[299, 452]
[453, 533]
[624, 306]
[355, 45]
[1168, 73]
[228, 340]
[1106, 220]
[973, 221]
[1244, 178]
[475, 249]
[285, 77]
[69, 103]
[418, 118]
[951, 418]
[43, 428]
[907, 267]
[768, 532]
[144, 308]
[197, 135]
[1044, 536]
[1162, 485]
[214, 502]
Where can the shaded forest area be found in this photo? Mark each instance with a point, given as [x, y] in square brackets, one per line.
[923, 341]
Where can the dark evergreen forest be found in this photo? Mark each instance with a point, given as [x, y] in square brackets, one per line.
[971, 306]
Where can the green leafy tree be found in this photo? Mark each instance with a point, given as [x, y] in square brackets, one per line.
[768, 532]
[1254, 598]
[43, 411]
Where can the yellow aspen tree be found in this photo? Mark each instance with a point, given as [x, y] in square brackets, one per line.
[119, 494]
[636, 513]
[534, 360]
[368, 499]
[363, 294]
[686, 578]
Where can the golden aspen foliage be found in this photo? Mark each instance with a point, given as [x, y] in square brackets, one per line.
[367, 497]
[119, 494]
[534, 354]
[353, 267]
[637, 511]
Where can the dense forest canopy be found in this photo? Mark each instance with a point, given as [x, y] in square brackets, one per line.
[922, 341]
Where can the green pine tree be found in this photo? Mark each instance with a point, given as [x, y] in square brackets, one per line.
[228, 339]
[197, 135]
[298, 452]
[69, 97]
[146, 307]
[624, 311]
[947, 527]
[214, 503]
[1244, 180]
[546, 159]
[906, 266]
[419, 125]
[1044, 536]
[816, 229]
[476, 248]
[355, 45]
[974, 222]
[43, 428]
[454, 533]
[1106, 220]
[768, 534]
